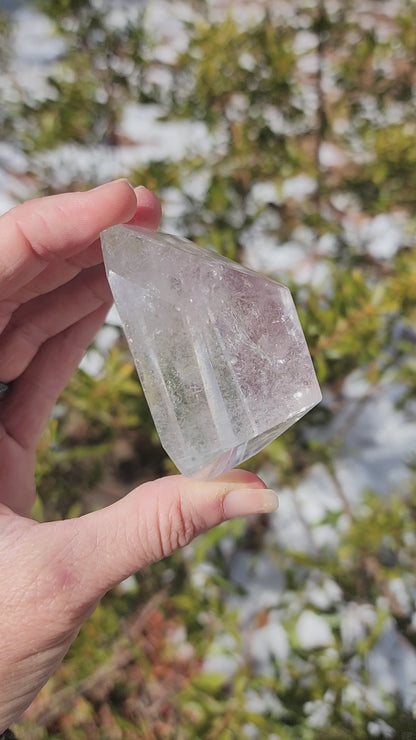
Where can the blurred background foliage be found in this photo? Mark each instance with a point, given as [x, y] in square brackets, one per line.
[318, 95]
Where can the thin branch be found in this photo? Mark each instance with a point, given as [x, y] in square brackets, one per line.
[64, 699]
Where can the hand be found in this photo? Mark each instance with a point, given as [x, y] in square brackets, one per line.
[53, 297]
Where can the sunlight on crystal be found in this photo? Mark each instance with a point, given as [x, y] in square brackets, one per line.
[219, 349]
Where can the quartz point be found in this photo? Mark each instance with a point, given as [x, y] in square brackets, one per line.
[219, 349]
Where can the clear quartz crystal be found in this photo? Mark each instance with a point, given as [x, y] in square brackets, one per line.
[219, 349]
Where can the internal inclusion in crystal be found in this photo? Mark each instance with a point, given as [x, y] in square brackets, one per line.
[218, 348]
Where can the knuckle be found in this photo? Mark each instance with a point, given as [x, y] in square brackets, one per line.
[175, 526]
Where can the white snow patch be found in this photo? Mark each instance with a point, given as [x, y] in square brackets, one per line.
[398, 589]
[298, 187]
[308, 64]
[331, 155]
[263, 193]
[223, 656]
[323, 596]
[166, 22]
[153, 140]
[377, 442]
[380, 728]
[312, 631]
[201, 573]
[383, 236]
[318, 713]
[92, 363]
[35, 43]
[268, 644]
[287, 527]
[129, 585]
[263, 702]
[261, 581]
[356, 621]
[36, 51]
[288, 261]
[113, 318]
[392, 666]
[6, 201]
[317, 495]
[12, 159]
[106, 337]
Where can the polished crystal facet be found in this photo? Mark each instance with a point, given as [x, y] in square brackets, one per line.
[219, 349]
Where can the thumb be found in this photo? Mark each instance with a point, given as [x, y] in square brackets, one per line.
[154, 520]
[54, 573]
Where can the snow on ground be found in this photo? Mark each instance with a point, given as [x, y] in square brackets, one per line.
[36, 49]
[376, 440]
[156, 140]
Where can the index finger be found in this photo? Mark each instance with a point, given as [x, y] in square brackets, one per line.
[44, 230]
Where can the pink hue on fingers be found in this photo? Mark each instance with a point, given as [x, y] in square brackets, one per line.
[55, 572]
[37, 321]
[43, 230]
[54, 296]
[148, 211]
[156, 519]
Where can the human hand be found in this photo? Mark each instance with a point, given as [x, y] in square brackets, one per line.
[53, 297]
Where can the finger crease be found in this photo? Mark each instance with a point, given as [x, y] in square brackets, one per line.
[32, 334]
[28, 244]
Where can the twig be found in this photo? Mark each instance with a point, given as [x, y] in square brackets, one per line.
[65, 698]
[321, 112]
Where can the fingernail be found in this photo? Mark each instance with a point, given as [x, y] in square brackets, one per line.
[238, 475]
[250, 501]
[113, 182]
